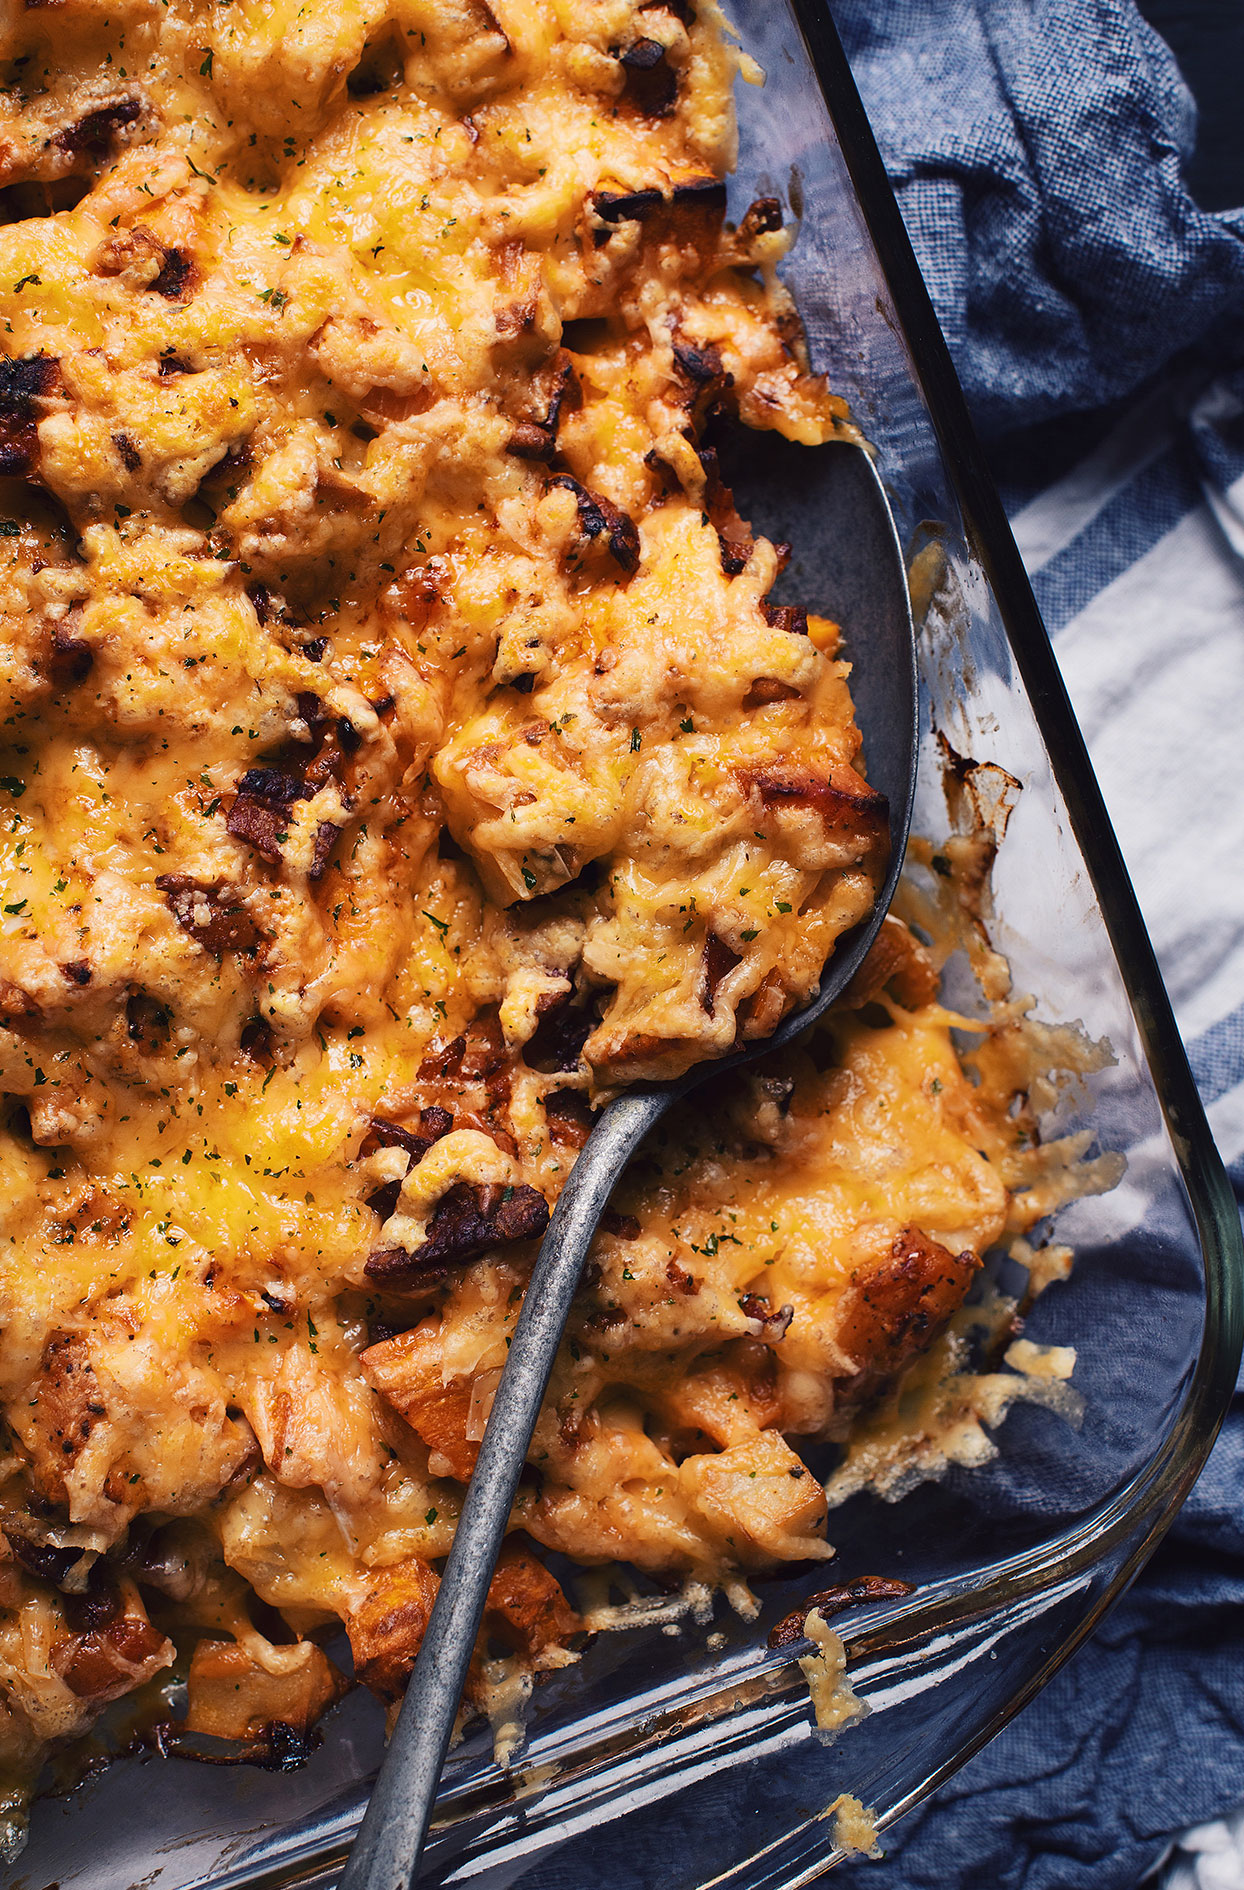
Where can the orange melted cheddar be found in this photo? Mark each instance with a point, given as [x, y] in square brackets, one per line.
[401, 753]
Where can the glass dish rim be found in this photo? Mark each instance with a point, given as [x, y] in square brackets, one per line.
[1131, 1522]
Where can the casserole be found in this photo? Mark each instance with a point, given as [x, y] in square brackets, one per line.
[1019, 1561]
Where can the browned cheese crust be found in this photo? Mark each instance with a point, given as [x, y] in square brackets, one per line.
[402, 751]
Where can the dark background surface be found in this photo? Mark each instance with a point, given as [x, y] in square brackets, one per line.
[1207, 39]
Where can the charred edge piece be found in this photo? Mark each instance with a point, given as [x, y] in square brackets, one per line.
[146, 1021]
[468, 1221]
[95, 132]
[719, 962]
[213, 914]
[699, 196]
[623, 206]
[173, 364]
[776, 1324]
[230, 466]
[433, 1124]
[72, 658]
[599, 518]
[22, 382]
[651, 82]
[761, 218]
[792, 618]
[700, 366]
[855, 805]
[831, 1601]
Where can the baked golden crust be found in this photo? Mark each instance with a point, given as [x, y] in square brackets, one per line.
[401, 752]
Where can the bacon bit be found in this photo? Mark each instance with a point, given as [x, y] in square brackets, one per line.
[103, 1663]
[478, 1053]
[792, 618]
[213, 914]
[177, 278]
[22, 381]
[468, 1220]
[651, 82]
[131, 458]
[776, 1324]
[326, 835]
[96, 131]
[719, 962]
[680, 1279]
[79, 972]
[260, 824]
[622, 1226]
[684, 211]
[529, 440]
[173, 364]
[433, 1124]
[767, 689]
[556, 1044]
[600, 518]
[255, 1041]
[831, 1601]
[535, 435]
[569, 1116]
[72, 658]
[146, 1021]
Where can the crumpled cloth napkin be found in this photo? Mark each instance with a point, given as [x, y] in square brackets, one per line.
[1036, 147]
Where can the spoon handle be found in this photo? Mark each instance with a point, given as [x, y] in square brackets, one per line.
[391, 1837]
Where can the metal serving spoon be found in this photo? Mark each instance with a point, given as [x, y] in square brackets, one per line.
[869, 591]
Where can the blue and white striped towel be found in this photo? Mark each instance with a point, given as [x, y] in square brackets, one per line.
[1036, 147]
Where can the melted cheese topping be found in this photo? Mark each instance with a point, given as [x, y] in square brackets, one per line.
[401, 752]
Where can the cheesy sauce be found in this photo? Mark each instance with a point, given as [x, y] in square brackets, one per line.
[402, 752]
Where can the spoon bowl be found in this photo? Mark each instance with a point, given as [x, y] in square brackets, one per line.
[866, 588]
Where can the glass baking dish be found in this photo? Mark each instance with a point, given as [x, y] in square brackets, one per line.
[681, 1753]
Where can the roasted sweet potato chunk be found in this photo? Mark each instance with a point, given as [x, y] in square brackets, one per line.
[894, 1312]
[387, 1628]
[231, 1696]
[406, 1371]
